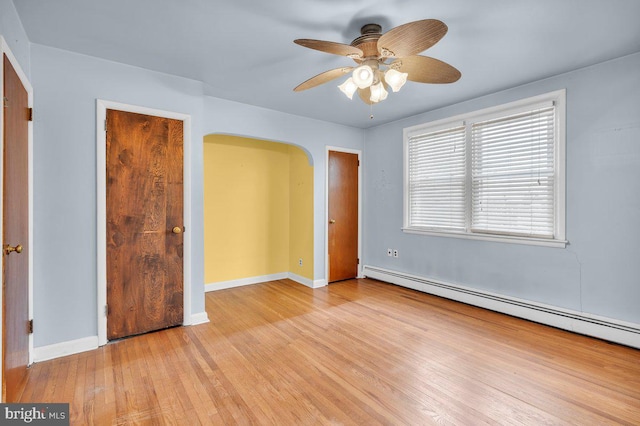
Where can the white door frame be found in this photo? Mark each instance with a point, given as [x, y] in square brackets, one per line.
[4, 49]
[101, 138]
[326, 208]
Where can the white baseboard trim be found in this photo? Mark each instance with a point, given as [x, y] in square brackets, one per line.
[320, 283]
[222, 285]
[579, 322]
[44, 353]
[306, 281]
[57, 350]
[199, 318]
[300, 279]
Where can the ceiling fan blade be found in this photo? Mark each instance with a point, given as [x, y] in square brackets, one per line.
[330, 47]
[423, 69]
[365, 95]
[411, 38]
[322, 78]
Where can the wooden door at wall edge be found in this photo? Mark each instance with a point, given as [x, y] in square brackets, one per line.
[145, 223]
[343, 216]
[15, 238]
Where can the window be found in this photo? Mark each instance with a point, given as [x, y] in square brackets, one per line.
[437, 168]
[494, 174]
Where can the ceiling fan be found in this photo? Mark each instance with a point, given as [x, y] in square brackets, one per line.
[385, 60]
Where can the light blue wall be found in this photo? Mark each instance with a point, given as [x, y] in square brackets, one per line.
[65, 249]
[13, 32]
[313, 135]
[66, 86]
[599, 271]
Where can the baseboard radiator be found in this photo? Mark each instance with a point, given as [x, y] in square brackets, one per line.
[579, 322]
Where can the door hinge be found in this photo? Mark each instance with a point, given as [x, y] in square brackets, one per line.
[106, 310]
[357, 261]
[30, 327]
[30, 114]
[105, 125]
[5, 101]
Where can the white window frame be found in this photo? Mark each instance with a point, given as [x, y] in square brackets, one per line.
[559, 100]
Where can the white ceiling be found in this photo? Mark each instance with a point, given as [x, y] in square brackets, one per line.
[243, 50]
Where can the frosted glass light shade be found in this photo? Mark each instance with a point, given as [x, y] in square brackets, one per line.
[348, 87]
[363, 76]
[395, 79]
[378, 93]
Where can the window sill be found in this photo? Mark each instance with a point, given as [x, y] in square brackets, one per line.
[495, 238]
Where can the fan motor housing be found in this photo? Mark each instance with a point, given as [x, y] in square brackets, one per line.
[368, 41]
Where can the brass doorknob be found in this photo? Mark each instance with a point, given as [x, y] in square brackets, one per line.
[8, 249]
[176, 230]
[332, 221]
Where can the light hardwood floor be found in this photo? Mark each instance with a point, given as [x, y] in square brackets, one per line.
[355, 352]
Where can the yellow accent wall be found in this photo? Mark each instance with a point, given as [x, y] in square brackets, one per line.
[258, 209]
[300, 213]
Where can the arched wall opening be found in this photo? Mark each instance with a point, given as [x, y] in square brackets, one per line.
[258, 211]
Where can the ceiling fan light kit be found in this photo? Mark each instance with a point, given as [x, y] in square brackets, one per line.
[363, 76]
[378, 93]
[349, 87]
[395, 79]
[385, 60]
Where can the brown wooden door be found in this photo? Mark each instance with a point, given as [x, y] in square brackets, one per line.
[15, 248]
[144, 223]
[343, 216]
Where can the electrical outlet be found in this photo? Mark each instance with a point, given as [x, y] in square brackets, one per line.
[395, 253]
[389, 252]
[300, 261]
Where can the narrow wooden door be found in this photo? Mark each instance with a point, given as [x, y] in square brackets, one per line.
[343, 216]
[144, 223]
[15, 248]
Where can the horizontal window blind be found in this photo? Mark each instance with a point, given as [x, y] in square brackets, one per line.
[436, 173]
[512, 169]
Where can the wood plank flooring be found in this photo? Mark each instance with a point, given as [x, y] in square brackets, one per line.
[356, 352]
